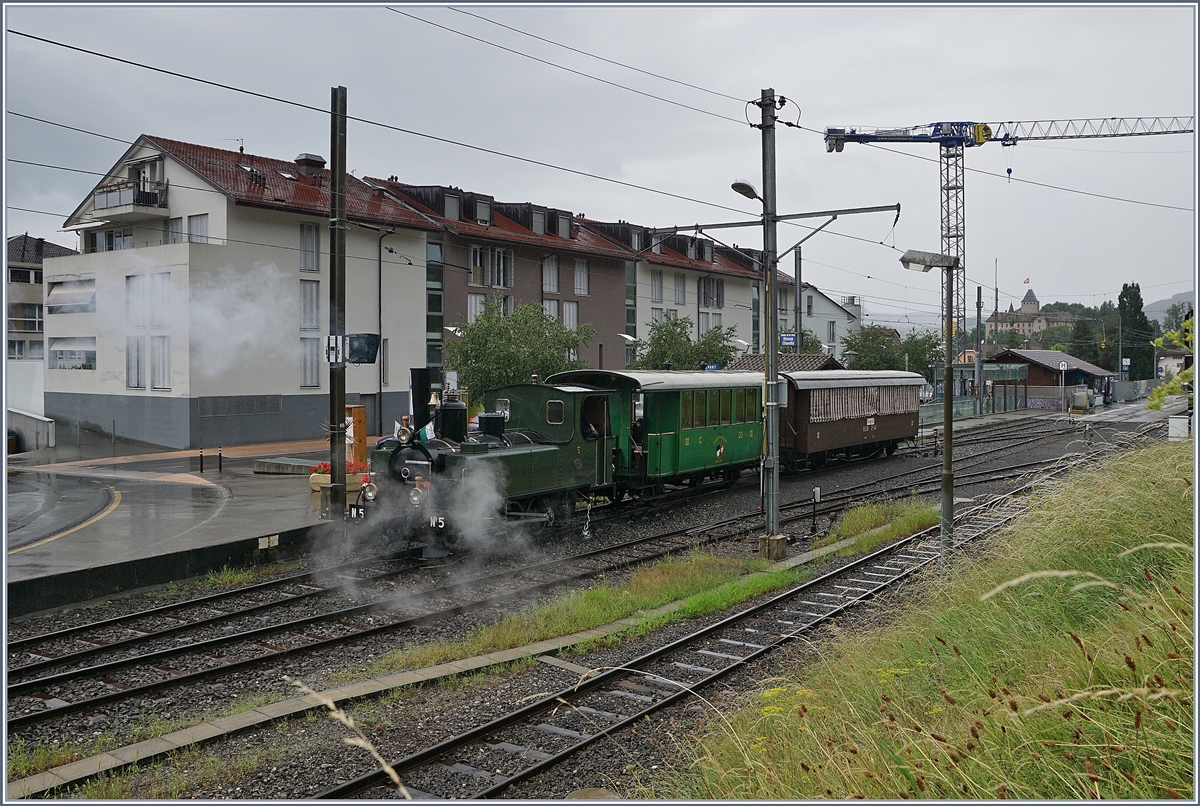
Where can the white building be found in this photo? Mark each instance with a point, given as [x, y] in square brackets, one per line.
[829, 320]
[196, 314]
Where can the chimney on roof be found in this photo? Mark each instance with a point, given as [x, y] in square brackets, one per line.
[310, 164]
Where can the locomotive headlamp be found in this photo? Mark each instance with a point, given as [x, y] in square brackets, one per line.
[369, 491]
[415, 495]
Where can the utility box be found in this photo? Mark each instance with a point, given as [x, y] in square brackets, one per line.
[1179, 427]
[356, 434]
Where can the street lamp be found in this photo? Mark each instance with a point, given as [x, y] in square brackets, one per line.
[924, 261]
[849, 356]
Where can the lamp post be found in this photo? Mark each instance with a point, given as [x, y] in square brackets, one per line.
[849, 356]
[924, 261]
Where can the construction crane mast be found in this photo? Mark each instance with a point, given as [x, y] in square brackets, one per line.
[954, 138]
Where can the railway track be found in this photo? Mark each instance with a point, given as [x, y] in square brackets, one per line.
[487, 761]
[142, 655]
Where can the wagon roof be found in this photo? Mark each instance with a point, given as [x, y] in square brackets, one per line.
[840, 378]
[660, 381]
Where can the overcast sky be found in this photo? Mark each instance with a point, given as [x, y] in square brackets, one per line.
[870, 66]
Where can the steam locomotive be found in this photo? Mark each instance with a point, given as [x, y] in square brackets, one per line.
[540, 448]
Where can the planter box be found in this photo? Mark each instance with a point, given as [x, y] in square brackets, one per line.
[318, 480]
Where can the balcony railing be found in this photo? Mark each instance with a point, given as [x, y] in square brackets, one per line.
[143, 193]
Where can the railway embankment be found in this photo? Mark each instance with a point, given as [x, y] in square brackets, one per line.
[1058, 665]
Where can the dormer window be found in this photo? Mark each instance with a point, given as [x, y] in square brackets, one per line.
[483, 212]
[564, 225]
[708, 251]
[635, 240]
[539, 222]
[656, 244]
[452, 203]
[691, 250]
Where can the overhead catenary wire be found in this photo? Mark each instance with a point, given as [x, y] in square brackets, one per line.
[562, 67]
[601, 58]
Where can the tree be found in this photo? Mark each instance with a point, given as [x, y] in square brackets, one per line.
[1184, 337]
[670, 343]
[1136, 333]
[877, 348]
[496, 349]
[1173, 318]
[1083, 343]
[1054, 334]
[924, 350]
[1010, 338]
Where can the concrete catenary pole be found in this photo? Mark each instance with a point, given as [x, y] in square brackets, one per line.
[947, 530]
[775, 546]
[337, 303]
[978, 350]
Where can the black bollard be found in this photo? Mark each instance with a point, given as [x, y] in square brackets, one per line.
[218, 458]
[202, 460]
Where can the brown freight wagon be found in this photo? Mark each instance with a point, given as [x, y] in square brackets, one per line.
[846, 413]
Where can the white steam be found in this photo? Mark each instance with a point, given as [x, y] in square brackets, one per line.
[241, 316]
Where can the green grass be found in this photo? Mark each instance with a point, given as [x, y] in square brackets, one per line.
[1069, 685]
[875, 525]
[718, 581]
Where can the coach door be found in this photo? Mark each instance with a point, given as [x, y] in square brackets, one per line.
[598, 453]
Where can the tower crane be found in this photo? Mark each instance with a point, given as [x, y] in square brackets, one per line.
[954, 138]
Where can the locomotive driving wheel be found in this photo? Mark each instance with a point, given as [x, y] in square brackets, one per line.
[541, 506]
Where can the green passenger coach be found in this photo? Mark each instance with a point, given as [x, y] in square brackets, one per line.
[673, 427]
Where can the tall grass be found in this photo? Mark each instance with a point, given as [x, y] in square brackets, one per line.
[1060, 666]
[873, 525]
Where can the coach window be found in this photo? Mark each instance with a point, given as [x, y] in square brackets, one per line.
[739, 405]
[751, 406]
[685, 410]
[698, 420]
[554, 412]
[726, 405]
[714, 407]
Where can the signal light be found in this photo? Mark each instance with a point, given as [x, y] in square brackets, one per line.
[1103, 346]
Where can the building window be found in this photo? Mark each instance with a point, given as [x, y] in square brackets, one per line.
[174, 230]
[712, 292]
[433, 354]
[510, 303]
[474, 306]
[135, 362]
[808, 307]
[550, 306]
[310, 351]
[783, 300]
[681, 289]
[502, 268]
[656, 315]
[36, 350]
[570, 311]
[715, 322]
[550, 274]
[434, 315]
[135, 300]
[564, 225]
[310, 311]
[539, 222]
[16, 348]
[635, 240]
[25, 317]
[384, 370]
[160, 362]
[479, 268]
[71, 296]
[310, 245]
[703, 322]
[452, 206]
[581, 277]
[483, 212]
[656, 285]
[198, 228]
[33, 276]
[160, 299]
[73, 353]
[832, 332]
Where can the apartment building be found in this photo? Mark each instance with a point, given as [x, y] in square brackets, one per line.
[196, 312]
[24, 371]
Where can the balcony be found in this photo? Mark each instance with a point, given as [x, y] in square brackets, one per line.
[131, 200]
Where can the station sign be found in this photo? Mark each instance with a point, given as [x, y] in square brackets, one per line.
[787, 339]
[712, 366]
[1124, 364]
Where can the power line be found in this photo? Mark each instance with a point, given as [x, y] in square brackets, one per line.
[601, 58]
[388, 126]
[562, 67]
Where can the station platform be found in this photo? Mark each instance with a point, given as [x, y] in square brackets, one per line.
[100, 517]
